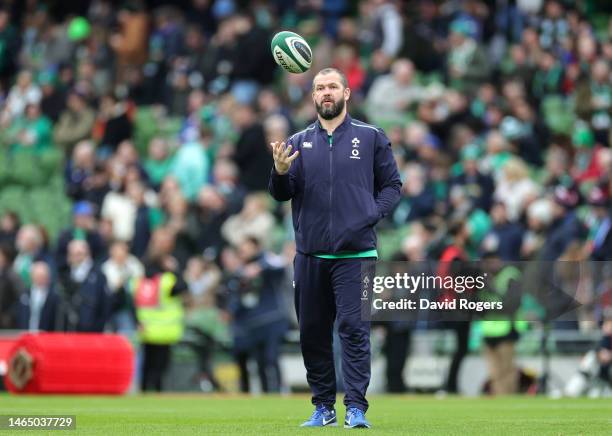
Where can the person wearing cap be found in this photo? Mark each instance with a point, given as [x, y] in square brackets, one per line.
[83, 228]
[75, 122]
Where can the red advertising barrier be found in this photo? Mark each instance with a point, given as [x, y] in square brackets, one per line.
[70, 363]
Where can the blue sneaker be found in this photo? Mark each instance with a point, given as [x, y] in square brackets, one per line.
[355, 418]
[322, 417]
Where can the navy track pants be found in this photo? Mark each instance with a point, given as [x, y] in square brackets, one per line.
[327, 290]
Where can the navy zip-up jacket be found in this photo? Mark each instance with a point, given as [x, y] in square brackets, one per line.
[339, 188]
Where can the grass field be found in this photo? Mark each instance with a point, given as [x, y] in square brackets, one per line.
[169, 414]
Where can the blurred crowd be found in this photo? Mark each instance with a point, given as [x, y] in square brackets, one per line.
[498, 113]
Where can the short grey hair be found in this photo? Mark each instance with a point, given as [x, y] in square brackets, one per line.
[329, 70]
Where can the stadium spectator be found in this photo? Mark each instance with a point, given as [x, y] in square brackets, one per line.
[9, 226]
[80, 170]
[269, 103]
[130, 42]
[515, 189]
[383, 26]
[83, 228]
[30, 132]
[53, 100]
[143, 227]
[467, 63]
[419, 200]
[181, 222]
[120, 210]
[10, 43]
[505, 237]
[226, 179]
[211, 212]
[587, 155]
[203, 278]
[565, 227]
[119, 269]
[254, 220]
[75, 122]
[38, 306]
[30, 244]
[113, 124]
[87, 299]
[347, 59]
[10, 287]
[479, 187]
[253, 67]
[23, 93]
[158, 163]
[191, 164]
[251, 154]
[391, 95]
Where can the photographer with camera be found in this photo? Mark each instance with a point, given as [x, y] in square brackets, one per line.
[258, 314]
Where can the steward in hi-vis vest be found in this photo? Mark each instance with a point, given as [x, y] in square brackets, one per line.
[501, 331]
[159, 313]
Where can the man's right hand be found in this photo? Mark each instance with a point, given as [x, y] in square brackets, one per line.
[282, 159]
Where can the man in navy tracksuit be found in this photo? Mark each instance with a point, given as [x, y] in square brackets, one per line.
[341, 179]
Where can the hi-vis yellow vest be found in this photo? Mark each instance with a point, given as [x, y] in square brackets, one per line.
[502, 327]
[158, 312]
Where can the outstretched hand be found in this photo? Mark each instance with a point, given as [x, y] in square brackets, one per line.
[282, 158]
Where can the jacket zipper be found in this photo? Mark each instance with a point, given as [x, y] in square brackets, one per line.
[331, 184]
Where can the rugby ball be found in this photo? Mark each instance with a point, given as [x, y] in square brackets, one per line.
[291, 52]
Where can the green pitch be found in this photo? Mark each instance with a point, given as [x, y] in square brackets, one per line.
[169, 414]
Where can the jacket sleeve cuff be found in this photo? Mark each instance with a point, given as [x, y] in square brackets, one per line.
[276, 174]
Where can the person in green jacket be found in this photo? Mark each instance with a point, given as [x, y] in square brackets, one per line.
[30, 132]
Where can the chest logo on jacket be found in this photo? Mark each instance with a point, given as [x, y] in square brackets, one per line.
[355, 149]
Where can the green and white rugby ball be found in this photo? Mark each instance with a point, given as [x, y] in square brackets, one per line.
[291, 52]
